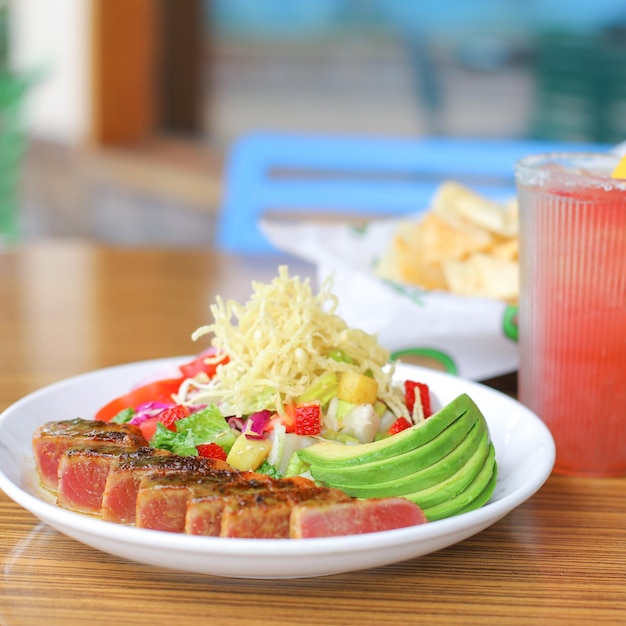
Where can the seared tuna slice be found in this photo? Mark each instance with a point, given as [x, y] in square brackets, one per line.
[297, 481]
[162, 500]
[83, 473]
[51, 440]
[266, 515]
[328, 519]
[207, 501]
[119, 502]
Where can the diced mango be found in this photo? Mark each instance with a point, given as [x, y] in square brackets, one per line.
[248, 454]
[357, 388]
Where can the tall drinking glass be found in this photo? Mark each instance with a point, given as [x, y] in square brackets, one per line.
[572, 311]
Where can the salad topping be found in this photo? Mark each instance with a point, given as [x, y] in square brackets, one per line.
[281, 372]
[284, 344]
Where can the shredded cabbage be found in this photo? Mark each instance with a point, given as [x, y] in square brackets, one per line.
[279, 343]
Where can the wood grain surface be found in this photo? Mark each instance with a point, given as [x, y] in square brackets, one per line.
[69, 307]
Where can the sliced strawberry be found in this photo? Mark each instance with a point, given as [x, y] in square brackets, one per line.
[168, 417]
[308, 419]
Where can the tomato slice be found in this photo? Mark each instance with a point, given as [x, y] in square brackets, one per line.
[161, 390]
[198, 365]
[148, 427]
[158, 391]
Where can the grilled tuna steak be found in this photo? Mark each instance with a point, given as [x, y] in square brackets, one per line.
[329, 519]
[53, 439]
[83, 473]
[162, 500]
[207, 501]
[267, 515]
[119, 502]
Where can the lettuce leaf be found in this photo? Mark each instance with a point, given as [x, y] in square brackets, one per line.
[270, 470]
[124, 416]
[205, 426]
[183, 444]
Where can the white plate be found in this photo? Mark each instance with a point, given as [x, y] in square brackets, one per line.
[524, 452]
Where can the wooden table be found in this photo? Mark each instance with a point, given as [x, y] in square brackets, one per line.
[68, 307]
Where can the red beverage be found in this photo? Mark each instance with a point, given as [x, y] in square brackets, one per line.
[572, 317]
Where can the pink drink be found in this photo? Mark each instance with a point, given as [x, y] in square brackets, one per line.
[572, 315]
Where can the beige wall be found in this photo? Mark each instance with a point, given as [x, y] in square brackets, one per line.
[53, 36]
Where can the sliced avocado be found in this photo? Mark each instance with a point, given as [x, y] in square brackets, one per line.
[329, 454]
[323, 389]
[343, 408]
[380, 408]
[486, 494]
[430, 478]
[340, 356]
[344, 438]
[402, 465]
[457, 482]
[466, 499]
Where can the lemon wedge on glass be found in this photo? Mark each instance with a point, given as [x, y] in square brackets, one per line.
[620, 169]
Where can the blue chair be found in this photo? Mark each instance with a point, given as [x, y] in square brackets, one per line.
[286, 172]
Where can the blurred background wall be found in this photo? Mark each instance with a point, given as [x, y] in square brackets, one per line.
[54, 37]
[137, 101]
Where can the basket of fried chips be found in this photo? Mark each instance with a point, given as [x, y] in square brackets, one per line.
[465, 244]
